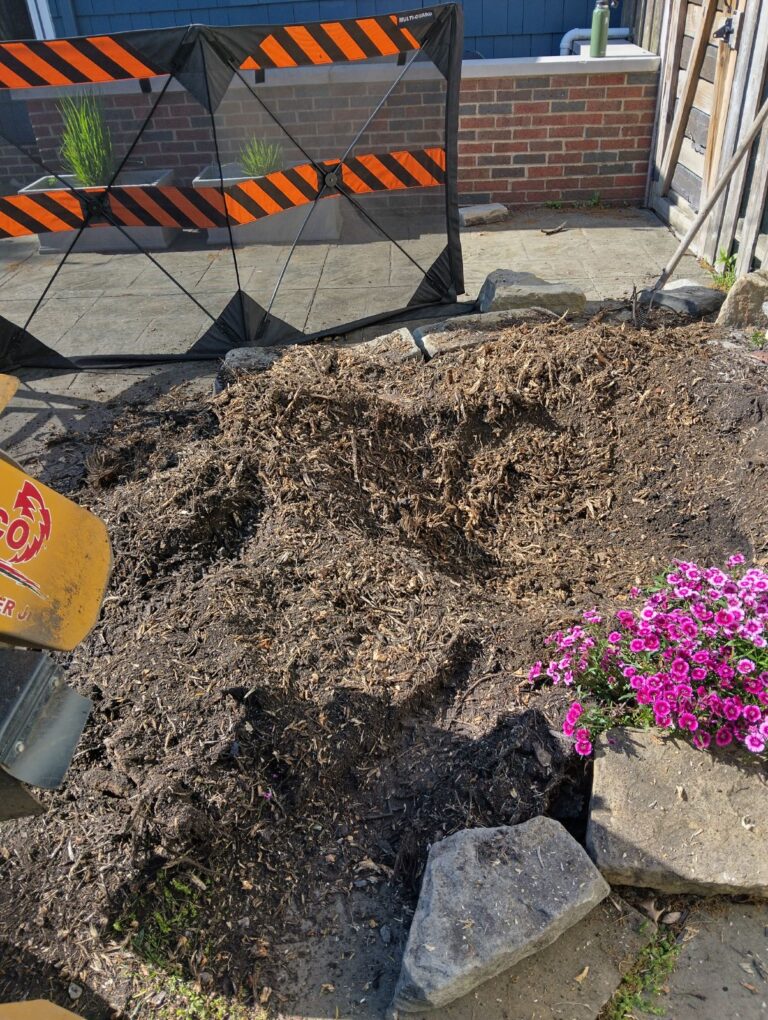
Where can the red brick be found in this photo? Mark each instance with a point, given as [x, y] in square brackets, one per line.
[532, 133]
[630, 180]
[545, 171]
[607, 79]
[540, 197]
[626, 91]
[476, 147]
[477, 122]
[604, 105]
[564, 131]
[507, 147]
[569, 81]
[574, 119]
[516, 121]
[536, 108]
[581, 144]
[640, 105]
[587, 93]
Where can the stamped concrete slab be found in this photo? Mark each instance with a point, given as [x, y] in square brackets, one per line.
[570, 980]
[722, 970]
[666, 816]
[490, 898]
[505, 289]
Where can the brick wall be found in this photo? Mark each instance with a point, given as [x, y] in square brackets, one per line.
[523, 140]
[556, 138]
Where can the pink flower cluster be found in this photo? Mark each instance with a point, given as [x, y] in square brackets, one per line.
[693, 658]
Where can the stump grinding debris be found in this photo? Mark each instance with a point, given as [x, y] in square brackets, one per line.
[329, 583]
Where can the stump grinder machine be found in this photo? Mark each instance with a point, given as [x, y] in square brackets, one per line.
[55, 561]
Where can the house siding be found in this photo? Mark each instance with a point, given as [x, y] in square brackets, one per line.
[493, 28]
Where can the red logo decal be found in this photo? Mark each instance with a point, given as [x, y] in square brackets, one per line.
[23, 533]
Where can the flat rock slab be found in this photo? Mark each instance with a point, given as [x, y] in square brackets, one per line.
[685, 296]
[722, 970]
[572, 978]
[490, 898]
[668, 817]
[478, 215]
[463, 331]
[398, 345]
[504, 289]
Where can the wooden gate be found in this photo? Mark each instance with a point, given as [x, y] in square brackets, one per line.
[714, 56]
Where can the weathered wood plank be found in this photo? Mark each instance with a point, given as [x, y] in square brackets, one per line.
[726, 68]
[753, 217]
[685, 103]
[710, 60]
[687, 184]
[746, 96]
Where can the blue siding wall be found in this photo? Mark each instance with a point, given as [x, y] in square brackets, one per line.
[493, 28]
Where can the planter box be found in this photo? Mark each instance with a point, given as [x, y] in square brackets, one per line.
[107, 239]
[279, 228]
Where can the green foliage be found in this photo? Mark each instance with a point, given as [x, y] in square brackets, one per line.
[758, 339]
[258, 158]
[594, 202]
[86, 145]
[646, 979]
[183, 1000]
[159, 920]
[553, 205]
[725, 276]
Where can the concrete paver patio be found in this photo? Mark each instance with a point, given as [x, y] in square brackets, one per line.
[122, 303]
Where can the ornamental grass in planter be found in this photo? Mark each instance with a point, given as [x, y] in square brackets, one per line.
[89, 160]
[691, 658]
[257, 158]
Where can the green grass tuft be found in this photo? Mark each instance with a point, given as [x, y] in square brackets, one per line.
[646, 979]
[258, 158]
[86, 144]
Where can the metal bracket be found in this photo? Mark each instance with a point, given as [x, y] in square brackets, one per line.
[41, 719]
[729, 32]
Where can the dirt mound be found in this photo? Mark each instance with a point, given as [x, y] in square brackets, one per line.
[328, 583]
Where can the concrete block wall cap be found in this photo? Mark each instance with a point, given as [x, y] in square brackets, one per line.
[477, 215]
[490, 898]
[641, 61]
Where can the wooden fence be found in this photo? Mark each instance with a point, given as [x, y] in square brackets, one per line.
[714, 58]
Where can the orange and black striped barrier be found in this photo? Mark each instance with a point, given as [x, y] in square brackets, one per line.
[105, 58]
[166, 206]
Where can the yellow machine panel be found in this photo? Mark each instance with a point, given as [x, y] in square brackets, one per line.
[38, 1010]
[55, 560]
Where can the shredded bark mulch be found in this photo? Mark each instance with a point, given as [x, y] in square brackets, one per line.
[329, 583]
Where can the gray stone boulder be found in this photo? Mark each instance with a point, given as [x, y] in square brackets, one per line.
[570, 980]
[686, 297]
[743, 307]
[504, 289]
[479, 215]
[250, 359]
[490, 898]
[666, 816]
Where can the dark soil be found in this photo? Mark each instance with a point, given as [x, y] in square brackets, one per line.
[329, 583]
